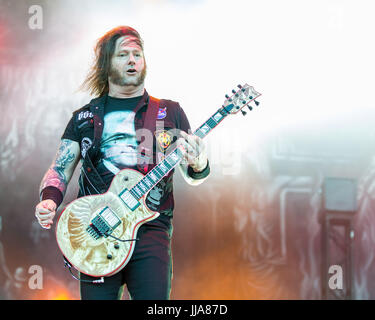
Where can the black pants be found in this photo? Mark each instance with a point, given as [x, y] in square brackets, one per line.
[147, 275]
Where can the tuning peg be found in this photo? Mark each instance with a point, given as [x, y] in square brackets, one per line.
[233, 91]
[226, 96]
[257, 102]
[239, 86]
[250, 107]
[243, 112]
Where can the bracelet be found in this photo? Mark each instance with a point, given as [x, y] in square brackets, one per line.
[199, 175]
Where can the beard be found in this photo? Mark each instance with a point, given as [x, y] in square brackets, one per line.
[124, 80]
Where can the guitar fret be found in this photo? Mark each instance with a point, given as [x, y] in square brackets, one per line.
[142, 186]
[172, 162]
[205, 128]
[153, 176]
[160, 173]
[179, 153]
[217, 117]
[212, 123]
[168, 161]
[135, 193]
[145, 184]
[138, 193]
[174, 156]
[199, 133]
[167, 164]
[146, 180]
[137, 190]
[150, 179]
[156, 173]
[163, 168]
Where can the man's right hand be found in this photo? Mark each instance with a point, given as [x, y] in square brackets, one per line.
[45, 212]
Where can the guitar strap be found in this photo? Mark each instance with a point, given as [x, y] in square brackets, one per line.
[145, 147]
[151, 114]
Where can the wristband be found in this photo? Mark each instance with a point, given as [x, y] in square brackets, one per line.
[199, 175]
[52, 193]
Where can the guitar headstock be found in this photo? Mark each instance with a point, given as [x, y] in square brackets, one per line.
[242, 97]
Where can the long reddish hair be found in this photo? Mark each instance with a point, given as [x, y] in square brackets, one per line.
[96, 81]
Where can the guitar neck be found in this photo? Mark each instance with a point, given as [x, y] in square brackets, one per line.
[169, 162]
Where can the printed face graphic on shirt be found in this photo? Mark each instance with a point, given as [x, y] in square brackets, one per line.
[119, 143]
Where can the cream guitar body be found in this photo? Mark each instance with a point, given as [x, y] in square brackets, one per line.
[104, 255]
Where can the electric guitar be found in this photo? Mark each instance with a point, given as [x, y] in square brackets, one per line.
[97, 233]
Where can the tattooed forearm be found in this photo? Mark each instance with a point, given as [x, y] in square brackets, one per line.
[64, 156]
[52, 178]
[61, 170]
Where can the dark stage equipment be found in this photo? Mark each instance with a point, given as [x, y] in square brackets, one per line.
[339, 204]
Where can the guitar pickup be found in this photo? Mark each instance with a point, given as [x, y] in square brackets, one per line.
[103, 224]
[130, 201]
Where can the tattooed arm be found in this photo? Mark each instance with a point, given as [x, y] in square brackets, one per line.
[62, 168]
[57, 177]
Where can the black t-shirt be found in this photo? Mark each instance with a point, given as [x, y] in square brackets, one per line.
[118, 149]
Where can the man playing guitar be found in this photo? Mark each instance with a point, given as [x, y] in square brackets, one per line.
[104, 136]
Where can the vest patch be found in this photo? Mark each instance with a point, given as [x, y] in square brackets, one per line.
[84, 115]
[162, 113]
[86, 143]
[163, 139]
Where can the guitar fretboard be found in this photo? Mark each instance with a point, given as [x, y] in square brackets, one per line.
[169, 162]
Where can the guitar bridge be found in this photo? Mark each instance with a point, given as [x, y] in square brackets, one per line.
[103, 224]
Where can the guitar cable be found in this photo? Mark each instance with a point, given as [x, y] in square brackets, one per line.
[67, 264]
[109, 235]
